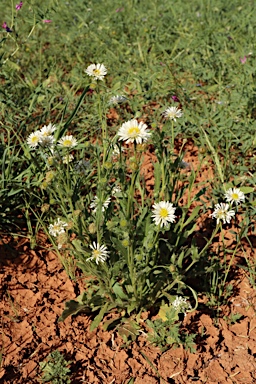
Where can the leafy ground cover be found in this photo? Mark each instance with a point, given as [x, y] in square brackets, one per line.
[86, 164]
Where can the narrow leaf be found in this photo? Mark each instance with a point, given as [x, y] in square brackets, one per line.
[99, 317]
[192, 216]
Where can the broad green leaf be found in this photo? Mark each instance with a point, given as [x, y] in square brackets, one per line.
[72, 307]
[78, 245]
[110, 324]
[246, 190]
[116, 86]
[119, 291]
[99, 317]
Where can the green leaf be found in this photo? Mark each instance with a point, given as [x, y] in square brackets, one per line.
[192, 216]
[119, 292]
[141, 218]
[99, 317]
[157, 177]
[116, 86]
[131, 307]
[180, 259]
[63, 130]
[72, 307]
[130, 381]
[110, 324]
[129, 329]
[78, 245]
[246, 190]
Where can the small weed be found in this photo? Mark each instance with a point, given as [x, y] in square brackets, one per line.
[165, 330]
[233, 318]
[55, 369]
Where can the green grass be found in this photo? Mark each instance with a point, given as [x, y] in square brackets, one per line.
[153, 51]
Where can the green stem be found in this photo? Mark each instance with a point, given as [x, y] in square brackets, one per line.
[173, 136]
[162, 193]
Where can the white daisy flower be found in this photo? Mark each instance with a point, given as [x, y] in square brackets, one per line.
[98, 71]
[67, 159]
[34, 139]
[117, 100]
[67, 141]
[221, 212]
[57, 228]
[96, 201]
[99, 253]
[47, 130]
[133, 131]
[181, 305]
[234, 195]
[47, 141]
[163, 213]
[172, 113]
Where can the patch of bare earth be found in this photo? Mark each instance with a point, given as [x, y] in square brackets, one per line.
[34, 288]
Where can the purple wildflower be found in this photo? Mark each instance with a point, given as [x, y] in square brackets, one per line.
[47, 21]
[175, 98]
[243, 59]
[5, 26]
[18, 6]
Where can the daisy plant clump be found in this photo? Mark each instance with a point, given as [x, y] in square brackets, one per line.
[128, 233]
[132, 239]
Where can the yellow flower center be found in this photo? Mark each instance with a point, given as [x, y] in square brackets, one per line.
[221, 213]
[235, 196]
[34, 139]
[163, 212]
[133, 131]
[96, 72]
[67, 143]
[96, 253]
